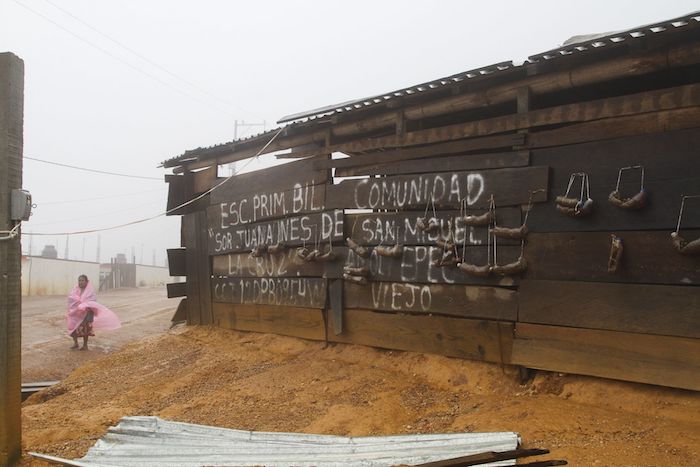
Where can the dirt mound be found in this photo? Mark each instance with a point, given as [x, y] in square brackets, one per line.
[274, 383]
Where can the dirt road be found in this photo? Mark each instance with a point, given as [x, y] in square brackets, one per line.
[274, 383]
[45, 342]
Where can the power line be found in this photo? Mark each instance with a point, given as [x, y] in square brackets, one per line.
[165, 83]
[146, 59]
[186, 203]
[123, 195]
[130, 208]
[104, 172]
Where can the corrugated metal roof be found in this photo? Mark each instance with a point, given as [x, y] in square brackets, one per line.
[582, 46]
[586, 46]
[151, 441]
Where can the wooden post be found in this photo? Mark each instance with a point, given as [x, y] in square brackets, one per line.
[11, 142]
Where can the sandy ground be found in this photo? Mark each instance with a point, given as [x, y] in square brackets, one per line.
[274, 383]
[45, 342]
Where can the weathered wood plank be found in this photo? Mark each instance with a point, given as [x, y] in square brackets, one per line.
[508, 186]
[650, 101]
[268, 204]
[464, 301]
[306, 323]
[609, 128]
[416, 266]
[489, 341]
[304, 292]
[663, 360]
[672, 169]
[281, 178]
[335, 295]
[177, 265]
[375, 228]
[648, 257]
[176, 194]
[286, 264]
[203, 269]
[176, 289]
[408, 153]
[181, 312]
[377, 164]
[632, 65]
[291, 231]
[542, 83]
[661, 212]
[425, 137]
[205, 179]
[650, 309]
[189, 233]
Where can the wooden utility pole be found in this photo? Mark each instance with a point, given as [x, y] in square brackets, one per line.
[11, 142]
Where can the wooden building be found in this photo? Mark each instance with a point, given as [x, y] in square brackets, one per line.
[541, 215]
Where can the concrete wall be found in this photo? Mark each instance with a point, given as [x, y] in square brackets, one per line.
[47, 276]
[149, 276]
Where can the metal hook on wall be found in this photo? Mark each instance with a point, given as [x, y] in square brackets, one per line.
[576, 207]
[637, 201]
[681, 245]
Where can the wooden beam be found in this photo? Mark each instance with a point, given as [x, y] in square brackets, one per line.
[473, 339]
[642, 308]
[438, 149]
[176, 289]
[203, 265]
[335, 295]
[177, 263]
[617, 127]
[648, 258]
[181, 312]
[205, 179]
[508, 187]
[632, 65]
[306, 323]
[662, 360]
[464, 301]
[439, 164]
[629, 66]
[189, 231]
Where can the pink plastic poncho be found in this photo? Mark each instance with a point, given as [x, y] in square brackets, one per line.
[80, 301]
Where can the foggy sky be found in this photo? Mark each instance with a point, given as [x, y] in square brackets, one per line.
[254, 61]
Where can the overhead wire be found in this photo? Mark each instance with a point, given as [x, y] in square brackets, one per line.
[105, 51]
[130, 208]
[104, 172]
[122, 195]
[186, 203]
[149, 61]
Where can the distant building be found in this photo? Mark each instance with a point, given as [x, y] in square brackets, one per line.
[49, 251]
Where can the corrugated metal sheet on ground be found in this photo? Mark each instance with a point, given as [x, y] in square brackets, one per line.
[151, 441]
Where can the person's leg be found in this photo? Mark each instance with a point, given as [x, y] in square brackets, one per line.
[85, 341]
[75, 341]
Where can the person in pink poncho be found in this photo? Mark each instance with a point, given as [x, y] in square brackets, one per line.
[85, 314]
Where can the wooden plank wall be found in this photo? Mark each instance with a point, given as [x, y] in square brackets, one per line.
[565, 312]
